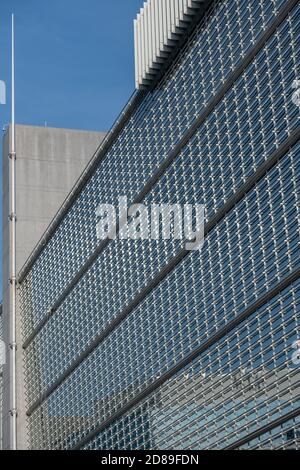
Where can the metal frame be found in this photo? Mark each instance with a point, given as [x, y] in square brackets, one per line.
[187, 360]
[133, 103]
[176, 150]
[231, 203]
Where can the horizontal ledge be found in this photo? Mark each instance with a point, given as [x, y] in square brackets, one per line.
[186, 361]
[250, 183]
[237, 196]
[165, 164]
[264, 429]
[99, 155]
[133, 103]
[209, 226]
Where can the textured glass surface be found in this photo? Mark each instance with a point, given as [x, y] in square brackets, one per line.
[285, 436]
[246, 379]
[208, 171]
[219, 43]
[237, 385]
[246, 253]
[241, 383]
[179, 315]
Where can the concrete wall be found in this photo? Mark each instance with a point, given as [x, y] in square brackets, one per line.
[1, 362]
[49, 161]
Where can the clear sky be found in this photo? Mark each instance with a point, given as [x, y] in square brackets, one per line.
[74, 61]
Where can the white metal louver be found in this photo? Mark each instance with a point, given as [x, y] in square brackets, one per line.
[160, 24]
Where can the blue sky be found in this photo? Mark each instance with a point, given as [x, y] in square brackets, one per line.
[74, 61]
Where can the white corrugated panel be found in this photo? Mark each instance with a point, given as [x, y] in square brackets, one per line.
[165, 23]
[157, 28]
[136, 53]
[146, 38]
[161, 25]
[153, 20]
[177, 5]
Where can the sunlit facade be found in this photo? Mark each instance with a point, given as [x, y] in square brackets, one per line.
[141, 344]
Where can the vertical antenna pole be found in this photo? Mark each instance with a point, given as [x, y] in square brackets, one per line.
[13, 280]
[13, 81]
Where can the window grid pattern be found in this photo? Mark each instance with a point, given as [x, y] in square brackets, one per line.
[284, 437]
[170, 320]
[234, 388]
[245, 380]
[224, 152]
[242, 382]
[243, 256]
[220, 41]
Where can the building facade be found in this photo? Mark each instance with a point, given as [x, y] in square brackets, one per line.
[49, 161]
[142, 344]
[2, 361]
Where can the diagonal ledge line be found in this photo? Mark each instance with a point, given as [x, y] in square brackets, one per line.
[89, 170]
[291, 278]
[238, 196]
[251, 181]
[193, 355]
[264, 429]
[174, 153]
[126, 113]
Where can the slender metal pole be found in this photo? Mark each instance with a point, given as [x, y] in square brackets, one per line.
[13, 280]
[13, 81]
